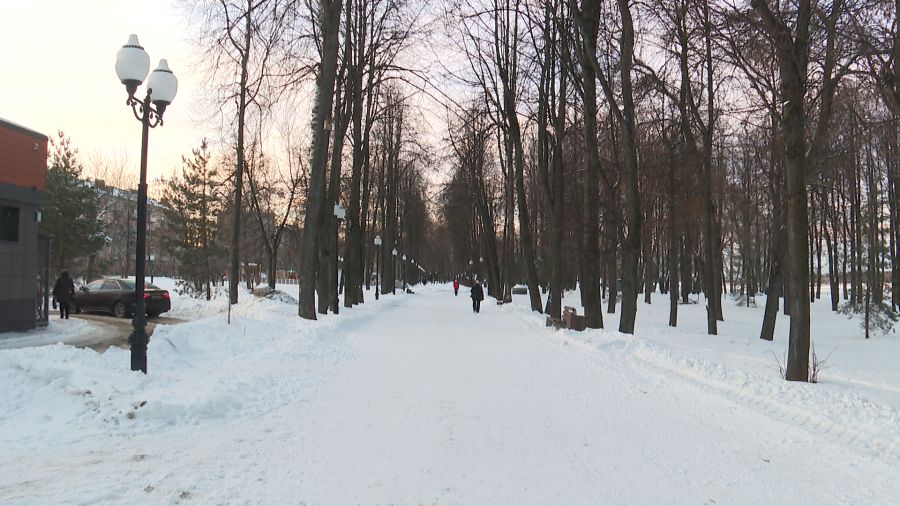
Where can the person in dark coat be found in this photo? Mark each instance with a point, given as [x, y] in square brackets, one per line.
[63, 291]
[477, 296]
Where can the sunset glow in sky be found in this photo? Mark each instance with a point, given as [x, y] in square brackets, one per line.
[58, 74]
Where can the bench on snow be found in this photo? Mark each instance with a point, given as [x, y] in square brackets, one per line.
[570, 320]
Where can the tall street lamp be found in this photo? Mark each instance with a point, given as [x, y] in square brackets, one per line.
[377, 266]
[393, 282]
[339, 213]
[132, 65]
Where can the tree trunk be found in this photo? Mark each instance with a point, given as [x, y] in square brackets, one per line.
[329, 230]
[329, 20]
[234, 275]
[512, 120]
[590, 282]
[831, 251]
[632, 244]
[775, 286]
[273, 268]
[673, 249]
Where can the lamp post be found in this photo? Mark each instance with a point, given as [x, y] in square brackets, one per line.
[132, 65]
[339, 213]
[393, 282]
[403, 272]
[470, 268]
[377, 266]
[481, 268]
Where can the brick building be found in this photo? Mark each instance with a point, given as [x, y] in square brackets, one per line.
[23, 253]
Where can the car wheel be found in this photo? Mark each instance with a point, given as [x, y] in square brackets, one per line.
[119, 310]
[152, 315]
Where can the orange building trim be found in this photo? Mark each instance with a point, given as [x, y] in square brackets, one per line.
[23, 157]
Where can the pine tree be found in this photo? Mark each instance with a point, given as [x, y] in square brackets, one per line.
[192, 203]
[70, 213]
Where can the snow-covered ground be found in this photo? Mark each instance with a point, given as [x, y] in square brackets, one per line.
[414, 399]
[79, 332]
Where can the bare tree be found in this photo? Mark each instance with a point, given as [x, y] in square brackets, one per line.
[247, 38]
[789, 30]
[273, 193]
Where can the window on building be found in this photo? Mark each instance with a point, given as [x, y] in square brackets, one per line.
[9, 223]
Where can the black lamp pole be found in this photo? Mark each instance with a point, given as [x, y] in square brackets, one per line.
[335, 303]
[377, 266]
[394, 272]
[149, 118]
[132, 65]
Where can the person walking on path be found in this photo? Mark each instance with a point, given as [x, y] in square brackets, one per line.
[455, 286]
[63, 290]
[477, 296]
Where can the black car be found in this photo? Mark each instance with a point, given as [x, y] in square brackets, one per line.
[117, 296]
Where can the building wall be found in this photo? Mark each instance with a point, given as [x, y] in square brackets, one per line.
[23, 180]
[18, 265]
[23, 157]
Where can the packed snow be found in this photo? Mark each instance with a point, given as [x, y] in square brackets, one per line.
[413, 399]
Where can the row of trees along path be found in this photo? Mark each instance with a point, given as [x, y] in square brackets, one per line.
[683, 146]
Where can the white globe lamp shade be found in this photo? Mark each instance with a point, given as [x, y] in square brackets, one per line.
[163, 85]
[377, 240]
[404, 258]
[394, 252]
[132, 64]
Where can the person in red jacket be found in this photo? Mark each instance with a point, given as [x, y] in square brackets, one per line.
[456, 286]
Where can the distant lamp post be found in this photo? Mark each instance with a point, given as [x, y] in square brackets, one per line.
[339, 213]
[132, 65]
[377, 242]
[393, 283]
[403, 272]
[481, 267]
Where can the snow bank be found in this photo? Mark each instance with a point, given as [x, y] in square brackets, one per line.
[199, 370]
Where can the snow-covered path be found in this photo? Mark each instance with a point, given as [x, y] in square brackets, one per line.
[420, 401]
[451, 407]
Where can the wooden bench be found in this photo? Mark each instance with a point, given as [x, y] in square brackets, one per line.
[556, 323]
[570, 320]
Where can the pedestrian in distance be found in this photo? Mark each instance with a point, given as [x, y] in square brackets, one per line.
[455, 286]
[63, 290]
[477, 296]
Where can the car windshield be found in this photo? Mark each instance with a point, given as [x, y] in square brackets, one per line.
[129, 284]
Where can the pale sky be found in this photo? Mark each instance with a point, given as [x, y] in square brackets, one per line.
[58, 73]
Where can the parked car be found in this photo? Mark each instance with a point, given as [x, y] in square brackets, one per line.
[117, 296]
